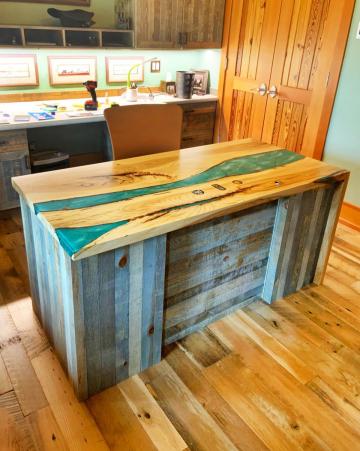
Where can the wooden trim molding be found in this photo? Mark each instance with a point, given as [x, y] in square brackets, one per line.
[350, 215]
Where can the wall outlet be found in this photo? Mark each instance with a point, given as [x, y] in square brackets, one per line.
[358, 32]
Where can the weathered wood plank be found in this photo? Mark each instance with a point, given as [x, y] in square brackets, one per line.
[189, 417]
[75, 422]
[154, 421]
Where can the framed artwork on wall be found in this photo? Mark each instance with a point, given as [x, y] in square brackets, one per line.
[72, 70]
[18, 70]
[55, 2]
[117, 68]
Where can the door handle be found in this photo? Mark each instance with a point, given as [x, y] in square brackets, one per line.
[272, 92]
[262, 89]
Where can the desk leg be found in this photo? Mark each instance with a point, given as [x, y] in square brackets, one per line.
[300, 241]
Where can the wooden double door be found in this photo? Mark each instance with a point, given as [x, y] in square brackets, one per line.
[282, 63]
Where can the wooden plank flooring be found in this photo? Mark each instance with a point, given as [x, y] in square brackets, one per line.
[284, 376]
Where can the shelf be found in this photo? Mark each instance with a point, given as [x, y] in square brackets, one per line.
[48, 37]
[26, 36]
[11, 37]
[120, 39]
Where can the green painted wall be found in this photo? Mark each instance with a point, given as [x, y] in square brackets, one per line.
[342, 146]
[18, 13]
[171, 61]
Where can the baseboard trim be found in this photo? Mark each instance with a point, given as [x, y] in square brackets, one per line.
[350, 216]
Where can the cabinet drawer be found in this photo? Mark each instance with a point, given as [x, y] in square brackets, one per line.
[13, 141]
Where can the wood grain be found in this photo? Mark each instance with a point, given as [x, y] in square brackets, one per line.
[297, 375]
[170, 209]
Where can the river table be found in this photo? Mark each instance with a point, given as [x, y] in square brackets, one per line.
[129, 255]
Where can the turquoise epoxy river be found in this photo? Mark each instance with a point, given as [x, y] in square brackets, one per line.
[234, 167]
[75, 238]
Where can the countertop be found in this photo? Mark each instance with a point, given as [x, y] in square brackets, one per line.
[96, 116]
[96, 208]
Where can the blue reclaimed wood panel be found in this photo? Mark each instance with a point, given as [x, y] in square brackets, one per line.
[154, 258]
[122, 288]
[27, 219]
[298, 233]
[215, 267]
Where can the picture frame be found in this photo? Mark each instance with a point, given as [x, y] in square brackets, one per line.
[117, 68]
[201, 82]
[54, 2]
[18, 70]
[71, 70]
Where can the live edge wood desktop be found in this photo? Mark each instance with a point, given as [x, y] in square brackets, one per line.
[129, 255]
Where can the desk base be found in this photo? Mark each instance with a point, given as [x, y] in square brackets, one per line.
[108, 316]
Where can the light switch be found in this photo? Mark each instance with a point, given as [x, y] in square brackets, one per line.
[155, 66]
[358, 32]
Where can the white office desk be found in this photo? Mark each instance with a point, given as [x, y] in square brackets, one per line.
[63, 118]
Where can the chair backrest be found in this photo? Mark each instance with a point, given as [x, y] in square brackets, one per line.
[137, 130]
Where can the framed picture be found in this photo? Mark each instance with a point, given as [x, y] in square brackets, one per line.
[71, 70]
[117, 68]
[18, 70]
[55, 2]
[201, 82]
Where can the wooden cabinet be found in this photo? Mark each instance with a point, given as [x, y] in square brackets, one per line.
[203, 23]
[198, 124]
[179, 23]
[14, 161]
[157, 23]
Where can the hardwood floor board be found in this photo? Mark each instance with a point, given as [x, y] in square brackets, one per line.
[151, 417]
[189, 417]
[333, 300]
[14, 245]
[118, 423]
[344, 279]
[341, 405]
[272, 419]
[11, 287]
[334, 325]
[28, 326]
[204, 348]
[5, 383]
[266, 377]
[46, 431]
[27, 387]
[339, 312]
[75, 422]
[239, 432]
[15, 429]
[342, 263]
[337, 371]
[294, 395]
[340, 288]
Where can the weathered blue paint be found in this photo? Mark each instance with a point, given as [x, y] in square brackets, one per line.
[234, 167]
